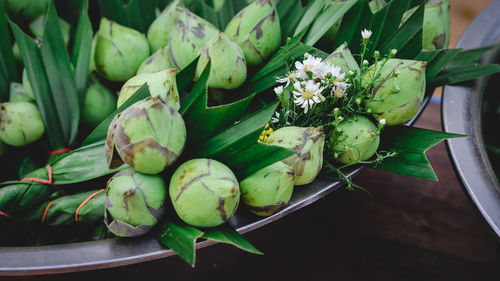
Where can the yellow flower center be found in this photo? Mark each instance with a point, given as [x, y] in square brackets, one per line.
[307, 95]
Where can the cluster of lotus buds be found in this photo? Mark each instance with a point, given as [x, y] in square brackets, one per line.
[204, 192]
[357, 140]
[148, 136]
[160, 84]
[397, 95]
[134, 202]
[256, 28]
[228, 69]
[308, 144]
[119, 51]
[20, 123]
[268, 190]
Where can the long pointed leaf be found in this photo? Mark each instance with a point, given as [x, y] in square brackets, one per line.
[181, 238]
[356, 19]
[60, 77]
[8, 70]
[463, 74]
[310, 15]
[226, 234]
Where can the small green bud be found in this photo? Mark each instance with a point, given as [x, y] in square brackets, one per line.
[256, 28]
[20, 123]
[149, 136]
[228, 69]
[358, 141]
[268, 190]
[204, 192]
[160, 84]
[134, 202]
[119, 51]
[99, 102]
[308, 145]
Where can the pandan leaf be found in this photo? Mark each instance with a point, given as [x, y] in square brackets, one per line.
[462, 74]
[136, 14]
[60, 77]
[202, 121]
[227, 234]
[208, 13]
[355, 20]
[410, 145]
[237, 146]
[38, 77]
[100, 132]
[8, 69]
[439, 62]
[81, 50]
[310, 15]
[469, 57]
[228, 10]
[290, 12]
[181, 238]
[333, 13]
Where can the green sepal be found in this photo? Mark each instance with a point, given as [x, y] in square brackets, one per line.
[180, 238]
[410, 145]
[228, 235]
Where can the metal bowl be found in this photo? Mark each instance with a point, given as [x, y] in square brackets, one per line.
[461, 113]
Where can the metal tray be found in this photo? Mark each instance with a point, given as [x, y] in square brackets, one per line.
[461, 113]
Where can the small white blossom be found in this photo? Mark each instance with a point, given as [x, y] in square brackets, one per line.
[339, 89]
[276, 118]
[394, 52]
[308, 94]
[310, 64]
[278, 90]
[335, 71]
[366, 34]
[382, 122]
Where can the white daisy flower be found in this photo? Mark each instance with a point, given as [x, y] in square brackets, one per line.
[366, 34]
[290, 78]
[278, 90]
[311, 64]
[339, 89]
[308, 94]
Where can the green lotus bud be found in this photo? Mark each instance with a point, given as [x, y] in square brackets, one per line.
[27, 85]
[204, 192]
[18, 94]
[99, 102]
[26, 9]
[159, 30]
[160, 60]
[36, 27]
[119, 51]
[396, 98]
[188, 36]
[358, 140]
[20, 123]
[160, 83]
[436, 27]
[228, 69]
[343, 58]
[257, 30]
[268, 190]
[308, 145]
[134, 202]
[149, 136]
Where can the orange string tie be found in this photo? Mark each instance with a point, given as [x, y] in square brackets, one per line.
[85, 202]
[64, 150]
[47, 210]
[5, 215]
[49, 181]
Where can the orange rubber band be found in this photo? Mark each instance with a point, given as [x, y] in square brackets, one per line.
[47, 210]
[49, 181]
[64, 150]
[5, 215]
[85, 202]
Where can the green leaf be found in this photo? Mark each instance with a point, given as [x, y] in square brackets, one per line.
[410, 30]
[100, 132]
[181, 238]
[290, 12]
[8, 69]
[228, 10]
[462, 74]
[81, 51]
[470, 57]
[355, 20]
[333, 13]
[208, 13]
[310, 15]
[60, 77]
[203, 121]
[397, 8]
[435, 66]
[226, 234]
[137, 14]
[410, 145]
[237, 146]
[38, 77]
[186, 76]
[85, 163]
